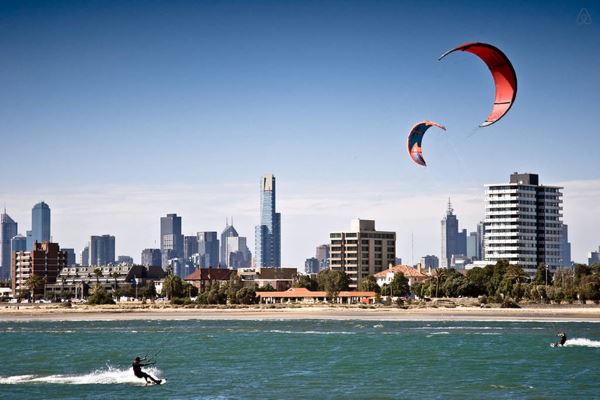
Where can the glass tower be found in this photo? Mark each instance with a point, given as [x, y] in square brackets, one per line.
[40, 225]
[268, 233]
[8, 230]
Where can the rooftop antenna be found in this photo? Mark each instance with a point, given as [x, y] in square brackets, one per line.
[450, 209]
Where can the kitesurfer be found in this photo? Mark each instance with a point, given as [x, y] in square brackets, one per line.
[137, 370]
[563, 338]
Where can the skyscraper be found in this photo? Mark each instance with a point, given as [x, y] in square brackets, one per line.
[190, 246]
[238, 254]
[208, 249]
[228, 232]
[102, 250]
[268, 233]
[151, 258]
[8, 230]
[565, 247]
[171, 237]
[322, 254]
[523, 223]
[85, 256]
[473, 249]
[18, 243]
[453, 241]
[40, 225]
[70, 257]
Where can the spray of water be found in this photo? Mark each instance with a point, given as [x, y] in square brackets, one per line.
[105, 376]
[582, 342]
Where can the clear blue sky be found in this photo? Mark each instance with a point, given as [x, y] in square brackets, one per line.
[322, 94]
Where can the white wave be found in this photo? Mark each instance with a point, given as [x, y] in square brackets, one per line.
[582, 342]
[311, 332]
[440, 333]
[105, 376]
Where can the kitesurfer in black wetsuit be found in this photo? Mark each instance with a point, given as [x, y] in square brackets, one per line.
[563, 339]
[137, 370]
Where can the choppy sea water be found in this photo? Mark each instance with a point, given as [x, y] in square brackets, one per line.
[309, 359]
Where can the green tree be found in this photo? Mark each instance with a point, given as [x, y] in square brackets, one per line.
[173, 286]
[305, 281]
[100, 296]
[542, 275]
[514, 277]
[246, 296]
[267, 288]
[33, 283]
[98, 273]
[369, 284]
[332, 282]
[399, 285]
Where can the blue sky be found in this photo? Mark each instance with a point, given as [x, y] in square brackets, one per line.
[118, 112]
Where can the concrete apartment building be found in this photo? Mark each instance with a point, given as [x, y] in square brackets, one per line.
[523, 223]
[362, 250]
[44, 260]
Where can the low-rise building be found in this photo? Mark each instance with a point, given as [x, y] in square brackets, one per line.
[278, 278]
[44, 260]
[303, 295]
[412, 274]
[202, 278]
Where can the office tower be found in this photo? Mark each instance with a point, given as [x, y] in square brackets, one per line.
[102, 250]
[171, 237]
[362, 250]
[523, 222]
[238, 254]
[70, 257]
[473, 250]
[430, 262]
[40, 225]
[453, 241]
[44, 260]
[18, 243]
[228, 232]
[594, 257]
[322, 254]
[208, 249]
[190, 246]
[268, 233]
[481, 236]
[151, 258]
[565, 247]
[311, 266]
[126, 260]
[85, 256]
[8, 230]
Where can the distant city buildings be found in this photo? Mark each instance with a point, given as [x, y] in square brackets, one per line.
[430, 262]
[362, 250]
[40, 225]
[228, 232]
[171, 239]
[473, 246]
[594, 257]
[151, 258]
[565, 247]
[85, 256]
[311, 266]
[44, 260]
[208, 250]
[454, 242]
[523, 223]
[238, 253]
[190, 246]
[125, 260]
[322, 254]
[70, 256]
[268, 233]
[18, 243]
[102, 250]
[8, 230]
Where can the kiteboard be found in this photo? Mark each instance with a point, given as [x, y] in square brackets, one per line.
[161, 382]
[555, 345]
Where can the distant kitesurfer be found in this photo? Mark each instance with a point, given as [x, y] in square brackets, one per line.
[137, 370]
[563, 339]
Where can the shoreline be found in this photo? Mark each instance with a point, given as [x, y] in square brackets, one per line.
[550, 313]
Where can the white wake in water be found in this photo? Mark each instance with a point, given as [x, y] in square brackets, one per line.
[582, 342]
[105, 376]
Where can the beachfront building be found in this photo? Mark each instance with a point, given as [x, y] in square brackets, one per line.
[412, 274]
[278, 278]
[523, 223]
[44, 260]
[303, 295]
[202, 278]
[362, 250]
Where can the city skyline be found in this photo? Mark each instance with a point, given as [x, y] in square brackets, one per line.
[322, 94]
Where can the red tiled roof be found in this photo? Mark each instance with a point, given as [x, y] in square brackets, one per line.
[408, 272]
[214, 274]
[303, 292]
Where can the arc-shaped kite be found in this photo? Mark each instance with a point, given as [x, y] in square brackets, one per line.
[503, 73]
[415, 137]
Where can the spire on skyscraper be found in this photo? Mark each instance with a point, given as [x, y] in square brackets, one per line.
[450, 209]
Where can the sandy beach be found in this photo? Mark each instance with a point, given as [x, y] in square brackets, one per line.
[587, 313]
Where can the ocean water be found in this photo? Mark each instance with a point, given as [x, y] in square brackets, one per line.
[308, 359]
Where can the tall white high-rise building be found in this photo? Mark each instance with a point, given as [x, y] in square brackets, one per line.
[523, 223]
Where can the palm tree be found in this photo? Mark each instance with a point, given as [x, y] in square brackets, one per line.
[98, 273]
[33, 283]
[438, 274]
[115, 275]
